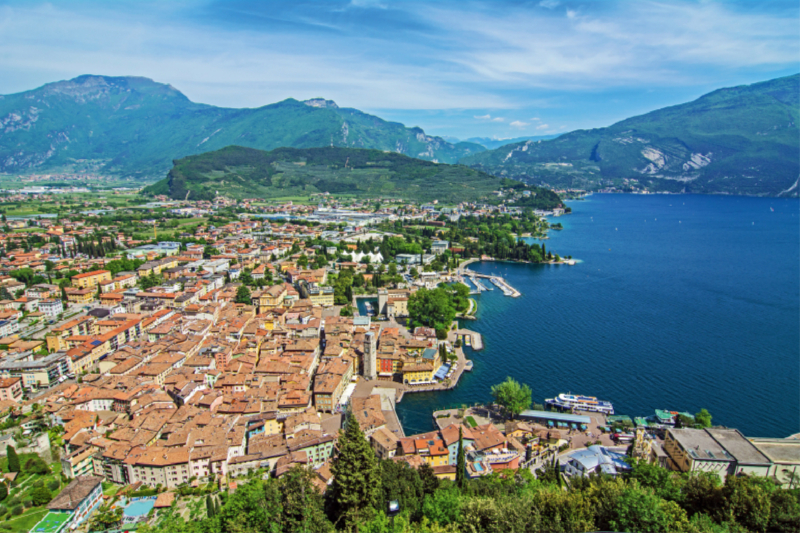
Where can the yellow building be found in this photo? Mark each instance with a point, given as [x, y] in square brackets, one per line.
[321, 296]
[90, 280]
[80, 296]
[269, 298]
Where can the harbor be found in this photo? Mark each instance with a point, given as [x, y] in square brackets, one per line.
[497, 281]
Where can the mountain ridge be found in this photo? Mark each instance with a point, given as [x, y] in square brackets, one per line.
[241, 172]
[134, 126]
[734, 140]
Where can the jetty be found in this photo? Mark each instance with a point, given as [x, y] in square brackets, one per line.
[475, 339]
[498, 281]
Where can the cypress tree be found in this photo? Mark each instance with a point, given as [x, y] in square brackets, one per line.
[357, 481]
[13, 459]
[461, 466]
[210, 506]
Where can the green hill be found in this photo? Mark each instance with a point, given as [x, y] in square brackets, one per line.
[741, 140]
[241, 172]
[132, 126]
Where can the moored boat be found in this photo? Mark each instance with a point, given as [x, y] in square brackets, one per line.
[581, 403]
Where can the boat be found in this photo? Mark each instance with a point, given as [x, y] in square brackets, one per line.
[468, 340]
[468, 366]
[369, 308]
[581, 403]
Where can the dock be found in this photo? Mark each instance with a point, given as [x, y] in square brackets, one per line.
[497, 281]
[476, 340]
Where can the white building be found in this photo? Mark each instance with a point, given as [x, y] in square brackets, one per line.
[51, 307]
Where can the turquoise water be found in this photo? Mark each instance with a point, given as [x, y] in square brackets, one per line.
[679, 302]
[139, 507]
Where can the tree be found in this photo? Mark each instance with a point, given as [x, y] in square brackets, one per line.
[210, 506]
[512, 396]
[356, 481]
[3, 491]
[302, 261]
[13, 459]
[703, 419]
[301, 502]
[243, 295]
[106, 518]
[432, 308]
[41, 496]
[461, 467]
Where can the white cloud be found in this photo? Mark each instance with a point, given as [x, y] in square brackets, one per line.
[542, 126]
[519, 124]
[498, 119]
[483, 117]
[571, 13]
[537, 119]
[549, 4]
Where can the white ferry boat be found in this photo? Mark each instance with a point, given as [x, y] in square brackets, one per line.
[581, 403]
[369, 308]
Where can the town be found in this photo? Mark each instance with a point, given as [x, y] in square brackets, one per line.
[158, 354]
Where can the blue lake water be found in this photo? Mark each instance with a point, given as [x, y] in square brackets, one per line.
[679, 302]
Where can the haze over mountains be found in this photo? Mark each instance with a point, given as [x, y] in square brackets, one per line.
[739, 140]
[135, 126]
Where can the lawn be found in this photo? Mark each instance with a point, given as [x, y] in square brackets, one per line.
[25, 521]
[51, 522]
[470, 421]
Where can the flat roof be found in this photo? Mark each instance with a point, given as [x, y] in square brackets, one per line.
[557, 417]
[738, 446]
[779, 450]
[700, 445]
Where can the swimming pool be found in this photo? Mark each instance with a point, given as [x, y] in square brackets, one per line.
[138, 507]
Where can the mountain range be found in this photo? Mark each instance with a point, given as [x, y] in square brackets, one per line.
[739, 140]
[132, 126]
[240, 172]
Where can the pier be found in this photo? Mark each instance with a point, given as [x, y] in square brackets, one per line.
[498, 281]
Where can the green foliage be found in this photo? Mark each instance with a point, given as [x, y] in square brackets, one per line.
[13, 459]
[41, 496]
[241, 172]
[729, 126]
[243, 295]
[512, 396]
[36, 465]
[3, 492]
[105, 518]
[703, 419]
[461, 466]
[301, 502]
[356, 484]
[432, 308]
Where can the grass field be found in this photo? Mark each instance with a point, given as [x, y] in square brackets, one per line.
[470, 421]
[25, 522]
[50, 523]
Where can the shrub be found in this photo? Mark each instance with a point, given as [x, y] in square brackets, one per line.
[16, 510]
[27, 503]
[41, 496]
[3, 510]
[38, 483]
[53, 484]
[14, 501]
[36, 465]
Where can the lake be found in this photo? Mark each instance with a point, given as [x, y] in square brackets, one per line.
[679, 302]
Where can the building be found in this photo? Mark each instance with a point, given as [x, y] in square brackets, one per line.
[696, 450]
[320, 295]
[51, 307]
[78, 463]
[36, 373]
[784, 454]
[595, 460]
[90, 280]
[162, 248]
[73, 505]
[439, 247]
[80, 296]
[11, 389]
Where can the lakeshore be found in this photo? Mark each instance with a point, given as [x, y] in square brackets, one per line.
[653, 317]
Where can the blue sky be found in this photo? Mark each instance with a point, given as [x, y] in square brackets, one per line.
[496, 69]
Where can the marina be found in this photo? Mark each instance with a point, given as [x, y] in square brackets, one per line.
[497, 281]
